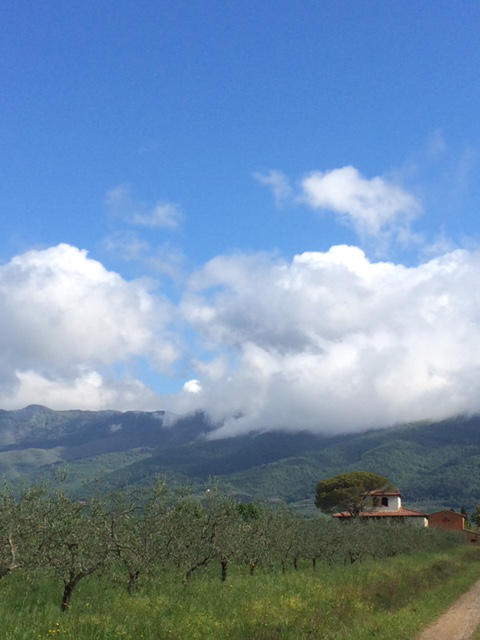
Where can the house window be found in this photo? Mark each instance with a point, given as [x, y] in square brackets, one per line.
[384, 502]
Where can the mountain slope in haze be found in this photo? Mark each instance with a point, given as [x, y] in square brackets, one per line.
[90, 442]
[436, 465]
[39, 427]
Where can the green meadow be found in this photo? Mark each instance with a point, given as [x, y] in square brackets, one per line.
[388, 598]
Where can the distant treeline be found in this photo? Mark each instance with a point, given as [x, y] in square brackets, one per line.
[152, 530]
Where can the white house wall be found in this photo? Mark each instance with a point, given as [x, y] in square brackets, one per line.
[394, 504]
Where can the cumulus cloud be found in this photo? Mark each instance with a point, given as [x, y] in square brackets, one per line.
[328, 341]
[162, 214]
[67, 322]
[374, 206]
[334, 342]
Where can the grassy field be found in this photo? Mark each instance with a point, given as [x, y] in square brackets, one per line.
[391, 598]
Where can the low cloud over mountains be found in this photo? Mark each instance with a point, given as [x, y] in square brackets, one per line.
[327, 341]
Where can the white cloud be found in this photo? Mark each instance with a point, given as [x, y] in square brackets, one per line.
[167, 260]
[374, 207]
[331, 342]
[334, 342]
[192, 386]
[88, 390]
[127, 245]
[66, 322]
[164, 259]
[163, 214]
[278, 183]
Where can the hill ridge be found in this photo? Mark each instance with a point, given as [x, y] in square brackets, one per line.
[434, 464]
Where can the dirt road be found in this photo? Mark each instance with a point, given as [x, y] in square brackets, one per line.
[459, 621]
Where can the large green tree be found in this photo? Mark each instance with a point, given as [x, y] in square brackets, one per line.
[348, 491]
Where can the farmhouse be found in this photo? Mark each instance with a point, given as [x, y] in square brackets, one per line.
[387, 504]
[452, 521]
[447, 519]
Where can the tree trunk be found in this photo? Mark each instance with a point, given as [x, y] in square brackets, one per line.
[133, 581]
[4, 571]
[223, 575]
[67, 595]
[70, 586]
[197, 565]
[295, 564]
[314, 563]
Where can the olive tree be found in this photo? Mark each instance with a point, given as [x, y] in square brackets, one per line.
[190, 527]
[322, 540]
[74, 540]
[285, 536]
[255, 527]
[140, 536]
[225, 526]
[9, 531]
[20, 518]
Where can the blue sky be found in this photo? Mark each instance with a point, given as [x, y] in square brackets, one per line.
[151, 135]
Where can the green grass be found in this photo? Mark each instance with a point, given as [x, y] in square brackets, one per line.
[385, 599]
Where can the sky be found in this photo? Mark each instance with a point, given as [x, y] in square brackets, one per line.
[268, 211]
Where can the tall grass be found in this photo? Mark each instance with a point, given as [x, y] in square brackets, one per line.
[390, 598]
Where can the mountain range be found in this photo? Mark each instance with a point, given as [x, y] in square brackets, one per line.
[435, 464]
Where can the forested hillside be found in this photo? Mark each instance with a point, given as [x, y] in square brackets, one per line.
[434, 464]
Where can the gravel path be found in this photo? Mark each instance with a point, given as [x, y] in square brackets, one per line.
[459, 621]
